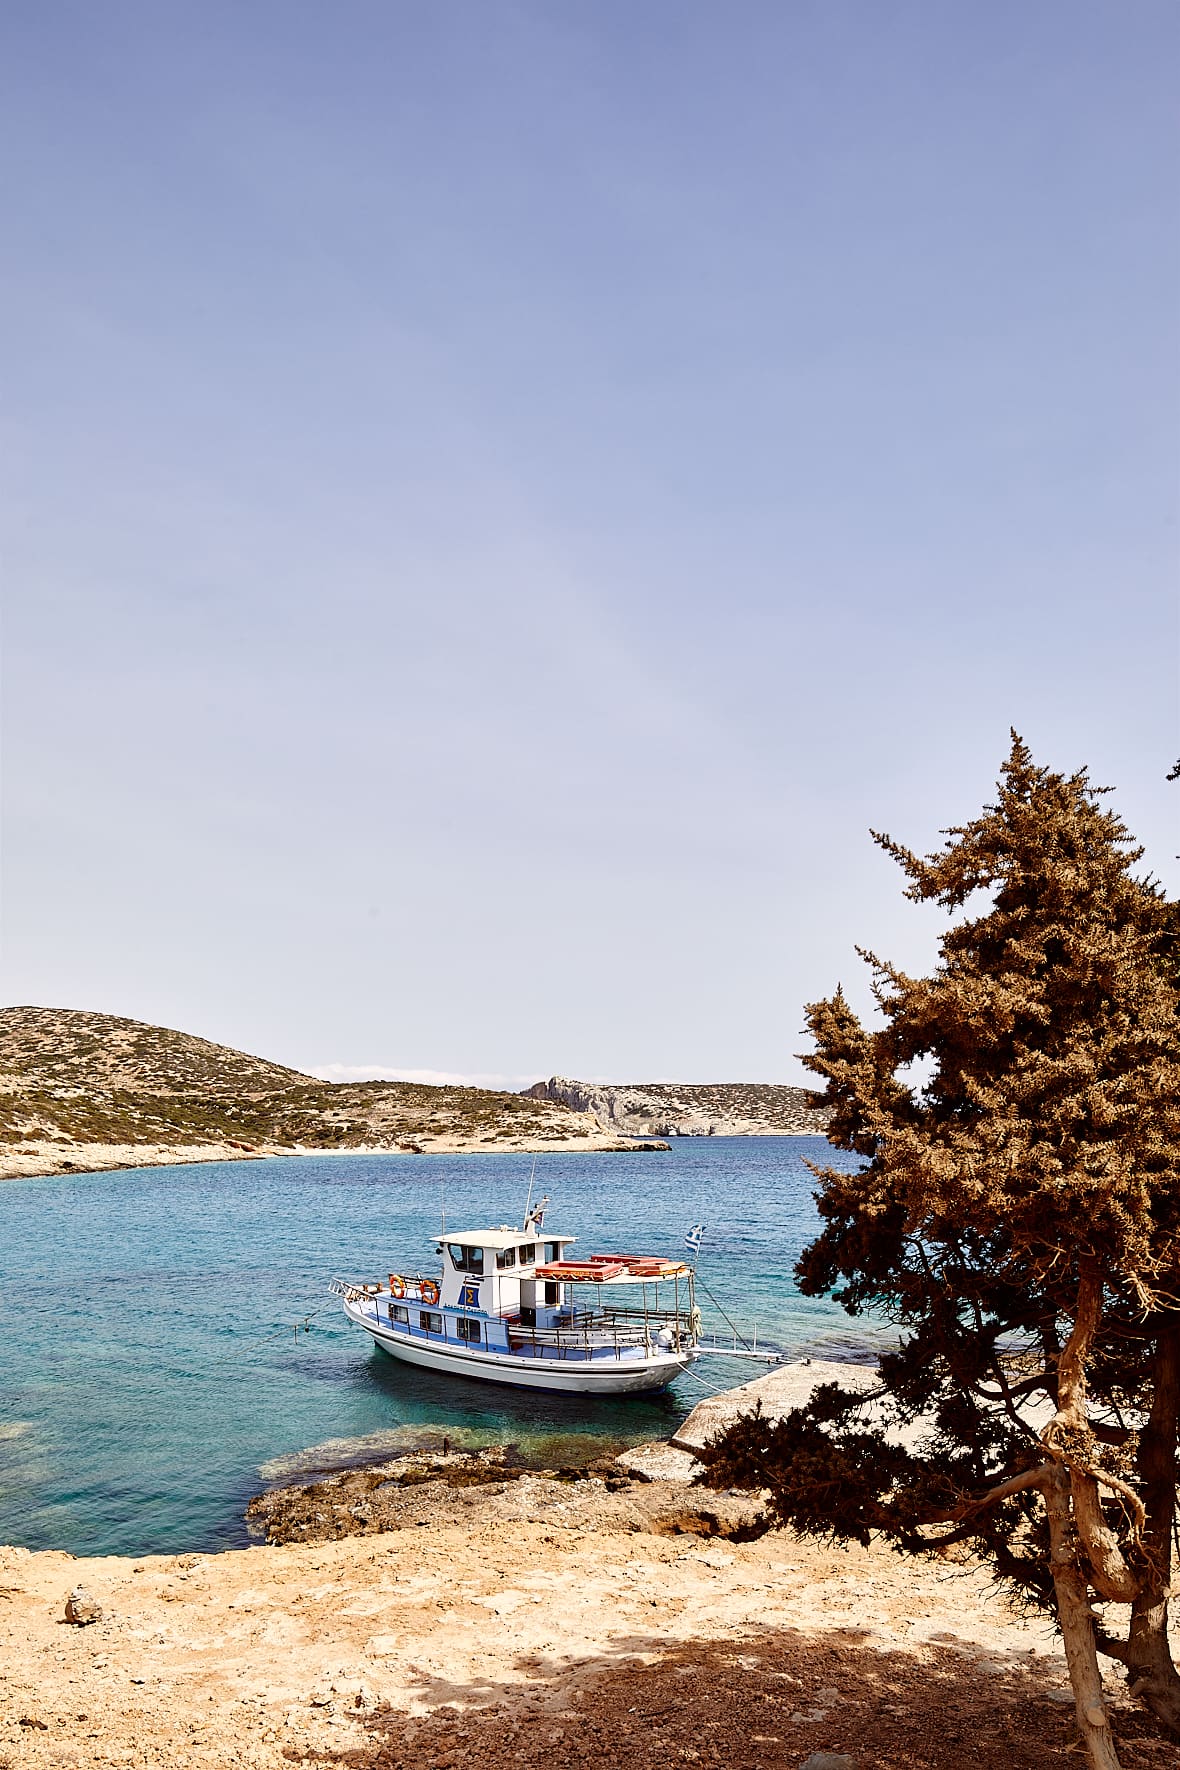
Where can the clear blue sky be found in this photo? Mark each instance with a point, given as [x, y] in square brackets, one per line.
[500, 497]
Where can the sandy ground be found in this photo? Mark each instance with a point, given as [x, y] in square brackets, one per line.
[34, 1160]
[534, 1623]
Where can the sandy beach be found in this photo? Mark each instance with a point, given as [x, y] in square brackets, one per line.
[42, 1159]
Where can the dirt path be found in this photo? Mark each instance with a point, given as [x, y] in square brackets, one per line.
[534, 1625]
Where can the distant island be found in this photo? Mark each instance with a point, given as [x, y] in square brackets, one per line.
[689, 1109]
[81, 1091]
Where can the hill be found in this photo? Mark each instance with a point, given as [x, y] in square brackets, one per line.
[65, 1047]
[82, 1091]
[689, 1109]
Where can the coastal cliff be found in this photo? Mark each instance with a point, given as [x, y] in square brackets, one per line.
[688, 1109]
[81, 1091]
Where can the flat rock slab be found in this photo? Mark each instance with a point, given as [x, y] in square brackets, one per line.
[786, 1387]
[658, 1462]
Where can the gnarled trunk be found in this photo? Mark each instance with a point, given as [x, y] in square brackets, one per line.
[1077, 1622]
[1150, 1671]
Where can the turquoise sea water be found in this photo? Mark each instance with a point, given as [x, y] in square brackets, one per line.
[153, 1380]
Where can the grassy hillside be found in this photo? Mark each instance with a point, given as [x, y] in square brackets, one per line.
[94, 1079]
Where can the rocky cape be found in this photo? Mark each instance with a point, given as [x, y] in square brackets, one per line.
[82, 1091]
[688, 1109]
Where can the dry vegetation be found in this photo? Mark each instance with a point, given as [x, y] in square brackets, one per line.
[86, 1081]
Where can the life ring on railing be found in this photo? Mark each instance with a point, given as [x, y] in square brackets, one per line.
[397, 1285]
[428, 1291]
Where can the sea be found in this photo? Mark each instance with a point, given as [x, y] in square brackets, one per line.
[169, 1347]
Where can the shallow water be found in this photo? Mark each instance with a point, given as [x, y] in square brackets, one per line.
[154, 1378]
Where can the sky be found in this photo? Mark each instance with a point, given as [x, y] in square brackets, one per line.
[501, 498]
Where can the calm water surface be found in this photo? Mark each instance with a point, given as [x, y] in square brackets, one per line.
[153, 1380]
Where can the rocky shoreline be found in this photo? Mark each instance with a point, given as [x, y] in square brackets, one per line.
[444, 1608]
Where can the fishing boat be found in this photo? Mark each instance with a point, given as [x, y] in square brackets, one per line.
[511, 1306]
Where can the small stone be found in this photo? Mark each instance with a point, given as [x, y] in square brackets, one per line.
[81, 1608]
[318, 1700]
[828, 1761]
[1061, 1696]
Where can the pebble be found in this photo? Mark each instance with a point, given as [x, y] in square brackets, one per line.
[81, 1608]
[828, 1761]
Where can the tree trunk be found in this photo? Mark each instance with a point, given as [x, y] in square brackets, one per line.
[1150, 1671]
[1077, 1623]
[1108, 1569]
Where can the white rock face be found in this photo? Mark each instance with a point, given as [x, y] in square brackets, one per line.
[688, 1109]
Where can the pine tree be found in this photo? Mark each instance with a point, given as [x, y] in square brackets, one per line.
[1017, 1215]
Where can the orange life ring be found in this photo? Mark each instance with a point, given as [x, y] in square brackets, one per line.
[428, 1291]
[397, 1285]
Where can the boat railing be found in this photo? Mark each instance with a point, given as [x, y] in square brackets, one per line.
[418, 1289]
[607, 1329]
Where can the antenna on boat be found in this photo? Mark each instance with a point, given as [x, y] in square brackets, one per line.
[442, 1187]
[529, 1200]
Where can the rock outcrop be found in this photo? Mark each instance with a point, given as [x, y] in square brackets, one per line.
[688, 1109]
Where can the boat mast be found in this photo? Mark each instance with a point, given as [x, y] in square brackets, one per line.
[528, 1201]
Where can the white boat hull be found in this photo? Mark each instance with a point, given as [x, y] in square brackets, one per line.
[637, 1376]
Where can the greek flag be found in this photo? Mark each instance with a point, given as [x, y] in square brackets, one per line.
[695, 1237]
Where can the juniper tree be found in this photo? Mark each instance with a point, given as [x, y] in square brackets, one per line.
[1017, 1216]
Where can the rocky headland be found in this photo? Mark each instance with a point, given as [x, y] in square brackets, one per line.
[688, 1109]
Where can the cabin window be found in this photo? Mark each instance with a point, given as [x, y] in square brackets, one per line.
[527, 1254]
[465, 1259]
[430, 1324]
[506, 1257]
[550, 1294]
[397, 1312]
[552, 1251]
[467, 1329]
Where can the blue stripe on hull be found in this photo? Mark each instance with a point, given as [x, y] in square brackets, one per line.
[616, 1381]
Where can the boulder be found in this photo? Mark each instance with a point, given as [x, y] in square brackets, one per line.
[81, 1608]
[658, 1462]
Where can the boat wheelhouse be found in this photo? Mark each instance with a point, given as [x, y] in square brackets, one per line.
[510, 1306]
